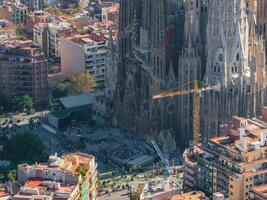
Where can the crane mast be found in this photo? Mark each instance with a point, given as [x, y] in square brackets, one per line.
[196, 113]
[162, 157]
[196, 91]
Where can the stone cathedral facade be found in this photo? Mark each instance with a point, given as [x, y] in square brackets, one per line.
[164, 44]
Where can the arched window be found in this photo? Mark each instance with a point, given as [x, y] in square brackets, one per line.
[237, 57]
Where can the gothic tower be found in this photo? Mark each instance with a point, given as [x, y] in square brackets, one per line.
[145, 52]
[232, 38]
[190, 67]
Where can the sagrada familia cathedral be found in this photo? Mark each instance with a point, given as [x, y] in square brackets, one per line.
[164, 44]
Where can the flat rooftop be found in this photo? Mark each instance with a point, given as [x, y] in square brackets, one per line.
[42, 188]
[69, 162]
[88, 38]
[260, 190]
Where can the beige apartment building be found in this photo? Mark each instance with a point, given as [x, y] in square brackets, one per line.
[84, 53]
[232, 164]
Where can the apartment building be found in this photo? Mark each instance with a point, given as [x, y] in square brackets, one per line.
[36, 17]
[38, 188]
[103, 27]
[7, 30]
[190, 169]
[47, 35]
[235, 163]
[14, 12]
[110, 11]
[40, 36]
[84, 53]
[56, 31]
[23, 70]
[33, 5]
[76, 170]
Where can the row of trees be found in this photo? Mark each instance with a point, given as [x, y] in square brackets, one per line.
[80, 84]
[24, 147]
[66, 12]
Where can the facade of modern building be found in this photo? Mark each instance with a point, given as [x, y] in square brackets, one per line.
[23, 70]
[84, 53]
[33, 5]
[73, 169]
[235, 163]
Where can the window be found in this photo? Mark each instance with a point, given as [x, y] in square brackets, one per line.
[237, 57]
[220, 57]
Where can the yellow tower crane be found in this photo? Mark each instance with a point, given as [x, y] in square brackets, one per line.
[196, 91]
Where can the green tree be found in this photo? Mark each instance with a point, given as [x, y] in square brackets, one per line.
[62, 90]
[20, 30]
[25, 102]
[24, 147]
[83, 83]
[54, 11]
[135, 168]
[12, 176]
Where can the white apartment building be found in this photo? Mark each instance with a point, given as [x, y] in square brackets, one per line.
[84, 53]
[40, 34]
[56, 31]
